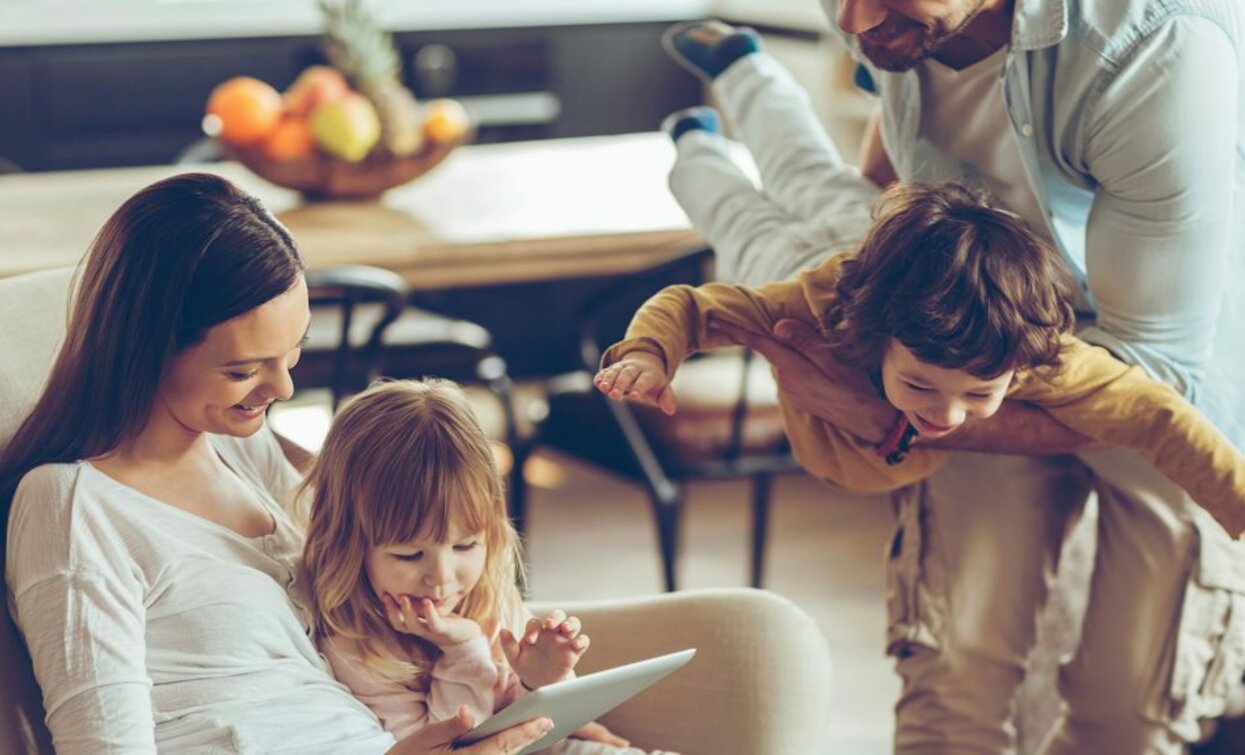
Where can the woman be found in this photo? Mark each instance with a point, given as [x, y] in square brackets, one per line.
[150, 553]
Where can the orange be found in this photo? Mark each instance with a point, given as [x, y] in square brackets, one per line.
[291, 139]
[247, 109]
[445, 121]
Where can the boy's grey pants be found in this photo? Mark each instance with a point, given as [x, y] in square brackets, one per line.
[976, 545]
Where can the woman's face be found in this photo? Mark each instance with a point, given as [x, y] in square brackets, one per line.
[224, 384]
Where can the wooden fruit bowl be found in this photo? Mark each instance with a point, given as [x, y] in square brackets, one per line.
[322, 177]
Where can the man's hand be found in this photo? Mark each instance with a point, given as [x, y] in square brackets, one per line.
[440, 736]
[547, 651]
[1017, 428]
[814, 381]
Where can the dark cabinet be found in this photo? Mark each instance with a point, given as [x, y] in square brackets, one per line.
[83, 106]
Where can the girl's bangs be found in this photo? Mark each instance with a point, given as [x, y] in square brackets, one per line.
[414, 508]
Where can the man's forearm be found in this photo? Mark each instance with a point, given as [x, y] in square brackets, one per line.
[1017, 428]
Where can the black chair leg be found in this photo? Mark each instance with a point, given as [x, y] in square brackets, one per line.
[517, 493]
[760, 525]
[667, 510]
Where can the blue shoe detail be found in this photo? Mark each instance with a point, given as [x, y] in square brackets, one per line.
[699, 118]
[709, 59]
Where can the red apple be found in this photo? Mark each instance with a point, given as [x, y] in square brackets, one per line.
[316, 84]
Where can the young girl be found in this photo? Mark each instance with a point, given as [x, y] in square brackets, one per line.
[950, 306]
[411, 568]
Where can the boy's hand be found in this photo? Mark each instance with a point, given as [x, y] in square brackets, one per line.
[638, 376]
[420, 618]
[547, 651]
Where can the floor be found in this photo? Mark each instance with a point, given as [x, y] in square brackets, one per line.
[825, 554]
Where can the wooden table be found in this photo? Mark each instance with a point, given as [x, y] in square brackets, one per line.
[490, 214]
[516, 237]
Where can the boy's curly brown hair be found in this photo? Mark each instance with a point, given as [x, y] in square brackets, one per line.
[959, 283]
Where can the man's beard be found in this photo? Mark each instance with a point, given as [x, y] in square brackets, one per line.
[930, 40]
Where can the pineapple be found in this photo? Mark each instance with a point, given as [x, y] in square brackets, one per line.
[358, 47]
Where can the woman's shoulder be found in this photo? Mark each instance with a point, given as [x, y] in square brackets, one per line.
[58, 518]
[48, 489]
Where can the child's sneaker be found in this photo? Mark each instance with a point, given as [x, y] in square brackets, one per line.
[699, 118]
[707, 48]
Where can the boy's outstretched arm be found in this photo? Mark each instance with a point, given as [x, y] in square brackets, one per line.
[1117, 404]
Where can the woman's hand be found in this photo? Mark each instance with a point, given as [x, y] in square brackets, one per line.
[814, 381]
[638, 376]
[548, 650]
[595, 732]
[420, 618]
[440, 737]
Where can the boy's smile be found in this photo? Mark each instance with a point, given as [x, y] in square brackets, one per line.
[937, 400]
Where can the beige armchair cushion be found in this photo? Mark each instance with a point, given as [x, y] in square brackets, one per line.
[758, 685]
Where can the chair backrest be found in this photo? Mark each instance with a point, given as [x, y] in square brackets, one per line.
[357, 303]
[33, 309]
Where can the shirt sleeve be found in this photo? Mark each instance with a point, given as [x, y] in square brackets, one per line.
[675, 322]
[1161, 145]
[1105, 399]
[83, 619]
[463, 675]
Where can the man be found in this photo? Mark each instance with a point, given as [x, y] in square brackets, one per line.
[1117, 129]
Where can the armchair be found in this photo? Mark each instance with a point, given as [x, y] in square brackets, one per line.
[759, 684]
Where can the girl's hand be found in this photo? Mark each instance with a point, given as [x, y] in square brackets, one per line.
[595, 732]
[638, 376]
[548, 650]
[420, 618]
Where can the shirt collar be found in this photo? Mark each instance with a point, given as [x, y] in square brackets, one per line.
[1039, 23]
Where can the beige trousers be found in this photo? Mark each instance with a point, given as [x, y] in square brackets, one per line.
[970, 566]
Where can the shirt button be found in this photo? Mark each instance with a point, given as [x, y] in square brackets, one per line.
[1026, 130]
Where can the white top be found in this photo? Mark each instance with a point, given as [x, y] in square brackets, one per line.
[152, 629]
[964, 115]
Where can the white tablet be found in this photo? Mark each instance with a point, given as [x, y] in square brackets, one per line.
[575, 702]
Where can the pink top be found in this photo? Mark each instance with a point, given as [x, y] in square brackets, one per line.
[465, 674]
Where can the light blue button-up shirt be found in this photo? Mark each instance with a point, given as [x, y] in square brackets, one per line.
[1130, 118]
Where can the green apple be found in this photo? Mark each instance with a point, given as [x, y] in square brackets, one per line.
[347, 127]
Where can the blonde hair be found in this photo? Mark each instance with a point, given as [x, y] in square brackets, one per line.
[401, 460]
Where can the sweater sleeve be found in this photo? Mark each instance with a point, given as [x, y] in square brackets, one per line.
[1107, 400]
[675, 322]
[81, 613]
[463, 675]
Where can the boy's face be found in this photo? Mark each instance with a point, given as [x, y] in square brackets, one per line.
[937, 400]
[443, 572]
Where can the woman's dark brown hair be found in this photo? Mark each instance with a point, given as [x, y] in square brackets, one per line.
[959, 283]
[177, 258]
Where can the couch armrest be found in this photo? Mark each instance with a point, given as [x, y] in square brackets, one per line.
[760, 681]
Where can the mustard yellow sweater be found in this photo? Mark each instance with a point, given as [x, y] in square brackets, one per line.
[1092, 393]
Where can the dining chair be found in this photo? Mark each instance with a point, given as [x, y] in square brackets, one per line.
[727, 425]
[362, 328]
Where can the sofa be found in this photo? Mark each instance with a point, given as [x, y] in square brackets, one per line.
[759, 684]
